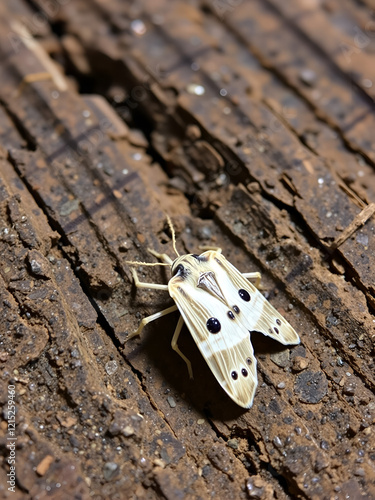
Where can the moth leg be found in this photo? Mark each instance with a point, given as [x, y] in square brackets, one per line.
[148, 319]
[253, 276]
[215, 249]
[175, 346]
[31, 78]
[162, 256]
[140, 284]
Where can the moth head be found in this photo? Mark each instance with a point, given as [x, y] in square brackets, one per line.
[178, 268]
[184, 265]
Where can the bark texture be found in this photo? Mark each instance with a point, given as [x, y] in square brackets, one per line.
[252, 125]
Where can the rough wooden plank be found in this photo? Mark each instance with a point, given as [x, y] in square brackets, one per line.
[309, 434]
[265, 156]
[330, 95]
[344, 34]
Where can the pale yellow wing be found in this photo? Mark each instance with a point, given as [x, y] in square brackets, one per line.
[258, 314]
[229, 352]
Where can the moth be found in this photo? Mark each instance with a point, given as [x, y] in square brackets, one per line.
[220, 307]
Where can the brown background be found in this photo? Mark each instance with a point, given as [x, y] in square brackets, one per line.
[251, 123]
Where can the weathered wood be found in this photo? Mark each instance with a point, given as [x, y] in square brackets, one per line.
[251, 124]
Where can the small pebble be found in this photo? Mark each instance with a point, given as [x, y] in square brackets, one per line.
[233, 443]
[308, 77]
[171, 401]
[110, 470]
[193, 88]
[111, 367]
[300, 363]
[280, 358]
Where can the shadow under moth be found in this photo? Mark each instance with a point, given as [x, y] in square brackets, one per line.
[221, 308]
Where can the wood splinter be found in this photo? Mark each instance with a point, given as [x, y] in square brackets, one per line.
[359, 221]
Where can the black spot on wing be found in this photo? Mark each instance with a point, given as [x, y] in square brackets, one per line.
[244, 294]
[213, 325]
[244, 372]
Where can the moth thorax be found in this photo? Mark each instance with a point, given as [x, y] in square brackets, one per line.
[207, 281]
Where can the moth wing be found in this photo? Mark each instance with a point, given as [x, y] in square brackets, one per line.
[257, 314]
[228, 353]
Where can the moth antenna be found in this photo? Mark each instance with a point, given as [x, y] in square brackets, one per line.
[173, 236]
[139, 263]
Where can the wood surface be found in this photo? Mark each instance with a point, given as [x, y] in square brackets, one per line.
[251, 123]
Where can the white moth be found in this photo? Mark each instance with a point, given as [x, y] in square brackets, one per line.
[221, 308]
